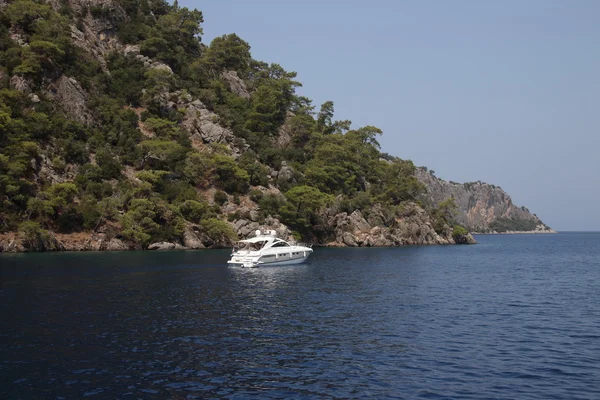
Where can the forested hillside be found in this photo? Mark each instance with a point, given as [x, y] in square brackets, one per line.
[120, 128]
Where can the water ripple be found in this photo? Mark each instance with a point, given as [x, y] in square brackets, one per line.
[514, 317]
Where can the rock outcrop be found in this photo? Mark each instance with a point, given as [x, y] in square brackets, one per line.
[72, 97]
[413, 226]
[95, 31]
[81, 241]
[192, 238]
[246, 228]
[19, 83]
[236, 84]
[481, 206]
[165, 246]
[285, 175]
[202, 124]
[285, 132]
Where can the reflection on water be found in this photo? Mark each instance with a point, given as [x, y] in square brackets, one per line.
[509, 318]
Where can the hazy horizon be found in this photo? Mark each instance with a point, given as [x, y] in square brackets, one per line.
[506, 93]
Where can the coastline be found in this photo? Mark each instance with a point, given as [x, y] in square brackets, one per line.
[99, 242]
[547, 232]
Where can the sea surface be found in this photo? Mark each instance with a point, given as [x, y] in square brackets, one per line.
[514, 317]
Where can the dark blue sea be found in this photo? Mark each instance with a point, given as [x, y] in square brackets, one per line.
[514, 317]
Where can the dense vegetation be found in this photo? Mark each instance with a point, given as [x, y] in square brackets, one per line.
[512, 224]
[65, 175]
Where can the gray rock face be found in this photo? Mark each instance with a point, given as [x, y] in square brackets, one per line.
[286, 173]
[114, 244]
[236, 84]
[11, 246]
[147, 61]
[95, 33]
[479, 204]
[19, 83]
[203, 124]
[285, 133]
[48, 173]
[358, 223]
[71, 96]
[91, 241]
[280, 229]
[191, 239]
[165, 246]
[200, 121]
[246, 229]
[412, 227]
[466, 239]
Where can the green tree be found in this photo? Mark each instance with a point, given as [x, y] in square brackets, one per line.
[302, 208]
[443, 214]
[219, 232]
[195, 211]
[138, 222]
[25, 13]
[227, 52]
[230, 176]
[33, 236]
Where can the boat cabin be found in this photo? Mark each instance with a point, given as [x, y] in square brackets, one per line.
[261, 241]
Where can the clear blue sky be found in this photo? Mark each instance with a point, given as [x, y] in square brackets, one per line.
[506, 92]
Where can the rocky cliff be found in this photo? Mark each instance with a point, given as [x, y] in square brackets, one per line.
[481, 207]
[411, 226]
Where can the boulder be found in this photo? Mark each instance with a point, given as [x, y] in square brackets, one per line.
[357, 223]
[244, 227]
[131, 49]
[378, 238]
[464, 239]
[161, 66]
[165, 246]
[348, 239]
[114, 244]
[280, 229]
[191, 239]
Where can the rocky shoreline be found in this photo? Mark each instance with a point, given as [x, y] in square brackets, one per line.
[536, 232]
[412, 227]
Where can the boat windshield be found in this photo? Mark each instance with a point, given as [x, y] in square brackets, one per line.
[249, 246]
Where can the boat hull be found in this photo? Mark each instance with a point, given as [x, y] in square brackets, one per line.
[285, 262]
[271, 259]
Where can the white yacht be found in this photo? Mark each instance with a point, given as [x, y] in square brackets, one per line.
[267, 249]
